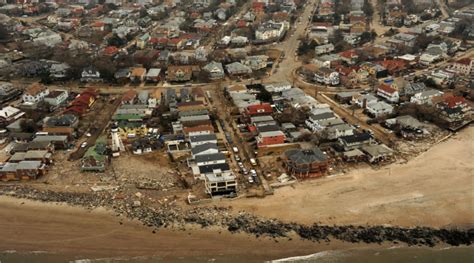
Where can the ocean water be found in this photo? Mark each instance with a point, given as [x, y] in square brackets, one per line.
[386, 255]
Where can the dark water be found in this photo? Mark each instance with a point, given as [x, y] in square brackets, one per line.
[390, 255]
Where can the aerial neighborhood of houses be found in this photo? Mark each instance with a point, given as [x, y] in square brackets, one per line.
[226, 97]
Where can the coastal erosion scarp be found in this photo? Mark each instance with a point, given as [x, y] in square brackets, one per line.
[174, 216]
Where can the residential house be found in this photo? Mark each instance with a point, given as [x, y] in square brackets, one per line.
[464, 66]
[237, 68]
[220, 183]
[401, 40]
[138, 74]
[90, 74]
[269, 31]
[324, 49]
[377, 152]
[195, 140]
[9, 114]
[326, 76]
[425, 97]
[270, 138]
[349, 56]
[35, 93]
[129, 97]
[122, 75]
[339, 130]
[8, 92]
[210, 159]
[153, 75]
[306, 163]
[179, 73]
[197, 130]
[379, 109]
[355, 141]
[256, 62]
[56, 97]
[388, 93]
[259, 109]
[214, 70]
[362, 100]
[204, 149]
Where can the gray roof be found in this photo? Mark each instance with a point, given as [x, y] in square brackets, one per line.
[261, 118]
[49, 138]
[204, 147]
[29, 165]
[306, 156]
[377, 150]
[193, 113]
[206, 169]
[237, 67]
[194, 118]
[203, 138]
[209, 157]
[153, 72]
[18, 156]
[9, 167]
[323, 116]
[36, 154]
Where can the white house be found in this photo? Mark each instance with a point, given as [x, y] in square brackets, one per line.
[269, 30]
[425, 97]
[326, 76]
[362, 100]
[463, 66]
[339, 130]
[35, 93]
[56, 97]
[210, 159]
[389, 93]
[379, 108]
[90, 74]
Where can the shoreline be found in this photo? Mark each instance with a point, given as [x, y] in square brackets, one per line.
[75, 232]
[108, 223]
[243, 222]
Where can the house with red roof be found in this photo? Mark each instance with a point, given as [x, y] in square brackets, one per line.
[98, 26]
[110, 51]
[455, 110]
[82, 103]
[394, 66]
[464, 66]
[349, 56]
[259, 109]
[258, 7]
[129, 97]
[389, 93]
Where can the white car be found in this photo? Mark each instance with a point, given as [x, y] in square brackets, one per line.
[83, 145]
[250, 179]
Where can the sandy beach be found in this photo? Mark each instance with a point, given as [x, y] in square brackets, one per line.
[61, 229]
[434, 189]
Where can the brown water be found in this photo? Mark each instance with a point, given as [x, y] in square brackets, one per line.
[390, 255]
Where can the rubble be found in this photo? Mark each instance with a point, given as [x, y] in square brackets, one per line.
[174, 216]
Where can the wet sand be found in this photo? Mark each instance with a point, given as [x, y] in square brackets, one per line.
[57, 228]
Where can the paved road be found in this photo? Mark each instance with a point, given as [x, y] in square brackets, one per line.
[290, 45]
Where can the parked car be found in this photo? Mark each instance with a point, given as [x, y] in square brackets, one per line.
[84, 145]
[253, 162]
